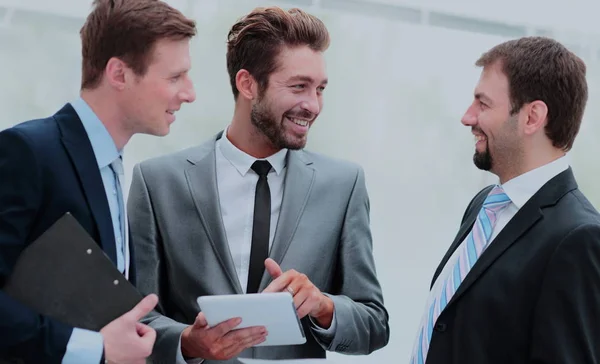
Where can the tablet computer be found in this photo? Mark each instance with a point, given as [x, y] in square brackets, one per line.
[275, 311]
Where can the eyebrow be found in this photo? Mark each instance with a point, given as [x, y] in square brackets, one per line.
[305, 79]
[180, 72]
[482, 97]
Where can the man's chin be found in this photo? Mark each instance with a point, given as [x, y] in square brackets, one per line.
[159, 132]
[482, 161]
[288, 139]
[295, 143]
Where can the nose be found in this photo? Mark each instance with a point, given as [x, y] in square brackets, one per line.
[470, 116]
[188, 94]
[312, 104]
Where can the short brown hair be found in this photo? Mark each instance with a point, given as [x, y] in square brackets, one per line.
[254, 42]
[540, 68]
[127, 29]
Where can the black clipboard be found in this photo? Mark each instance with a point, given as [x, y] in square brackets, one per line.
[65, 275]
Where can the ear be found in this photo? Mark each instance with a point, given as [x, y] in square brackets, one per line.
[246, 84]
[537, 116]
[115, 73]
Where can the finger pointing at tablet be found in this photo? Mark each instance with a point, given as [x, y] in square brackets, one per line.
[308, 299]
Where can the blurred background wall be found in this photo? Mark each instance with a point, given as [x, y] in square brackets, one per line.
[401, 75]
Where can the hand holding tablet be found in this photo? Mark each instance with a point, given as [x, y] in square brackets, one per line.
[219, 342]
[274, 311]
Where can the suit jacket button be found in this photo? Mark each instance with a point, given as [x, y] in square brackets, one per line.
[440, 326]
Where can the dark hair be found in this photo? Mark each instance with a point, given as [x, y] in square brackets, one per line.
[128, 30]
[540, 68]
[254, 42]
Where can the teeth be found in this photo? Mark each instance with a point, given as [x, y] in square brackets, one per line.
[298, 121]
[479, 138]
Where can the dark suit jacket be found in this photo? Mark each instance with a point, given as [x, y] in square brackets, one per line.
[47, 168]
[534, 294]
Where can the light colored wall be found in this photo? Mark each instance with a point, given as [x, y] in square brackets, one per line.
[396, 95]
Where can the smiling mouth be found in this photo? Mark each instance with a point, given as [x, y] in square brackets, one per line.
[480, 138]
[300, 122]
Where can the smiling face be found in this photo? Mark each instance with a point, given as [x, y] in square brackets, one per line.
[151, 100]
[499, 144]
[293, 99]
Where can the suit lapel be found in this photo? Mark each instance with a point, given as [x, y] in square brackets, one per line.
[527, 216]
[202, 182]
[298, 183]
[79, 148]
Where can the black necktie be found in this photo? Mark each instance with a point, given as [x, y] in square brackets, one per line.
[260, 227]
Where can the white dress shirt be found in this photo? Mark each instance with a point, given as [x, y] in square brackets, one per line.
[519, 189]
[236, 183]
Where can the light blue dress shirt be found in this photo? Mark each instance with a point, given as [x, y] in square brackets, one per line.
[86, 346]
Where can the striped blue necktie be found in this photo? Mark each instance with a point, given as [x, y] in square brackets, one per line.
[476, 242]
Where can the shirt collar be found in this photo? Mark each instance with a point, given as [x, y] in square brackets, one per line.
[243, 161]
[103, 144]
[521, 188]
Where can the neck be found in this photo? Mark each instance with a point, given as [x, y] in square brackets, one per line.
[246, 137]
[109, 114]
[528, 162]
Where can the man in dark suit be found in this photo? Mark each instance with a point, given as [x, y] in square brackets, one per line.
[71, 162]
[521, 281]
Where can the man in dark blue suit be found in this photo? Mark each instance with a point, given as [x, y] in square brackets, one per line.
[135, 76]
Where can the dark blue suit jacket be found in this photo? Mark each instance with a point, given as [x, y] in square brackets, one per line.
[47, 168]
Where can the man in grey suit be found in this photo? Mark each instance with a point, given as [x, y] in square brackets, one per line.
[249, 211]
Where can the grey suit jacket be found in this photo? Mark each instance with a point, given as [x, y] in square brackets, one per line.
[323, 231]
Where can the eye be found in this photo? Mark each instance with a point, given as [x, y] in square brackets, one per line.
[321, 89]
[299, 86]
[483, 105]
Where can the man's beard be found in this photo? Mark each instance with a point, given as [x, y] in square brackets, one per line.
[264, 120]
[507, 147]
[483, 160]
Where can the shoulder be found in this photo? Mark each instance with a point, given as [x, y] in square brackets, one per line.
[333, 174]
[575, 213]
[335, 168]
[176, 161]
[37, 137]
[33, 131]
